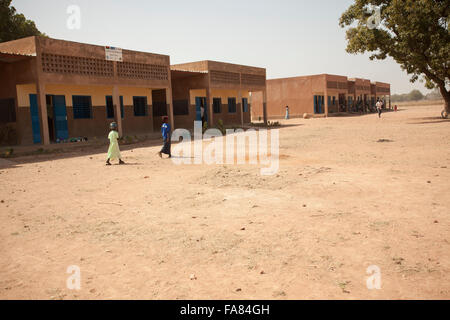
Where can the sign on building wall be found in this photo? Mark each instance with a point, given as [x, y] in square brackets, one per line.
[113, 54]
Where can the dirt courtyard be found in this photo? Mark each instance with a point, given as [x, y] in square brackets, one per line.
[342, 201]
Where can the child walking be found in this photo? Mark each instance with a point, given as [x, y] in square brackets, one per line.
[165, 131]
[113, 151]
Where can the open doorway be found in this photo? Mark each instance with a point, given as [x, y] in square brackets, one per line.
[201, 111]
[159, 104]
[57, 118]
[50, 117]
[342, 104]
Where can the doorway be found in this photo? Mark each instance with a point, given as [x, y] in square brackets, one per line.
[57, 118]
[35, 122]
[199, 103]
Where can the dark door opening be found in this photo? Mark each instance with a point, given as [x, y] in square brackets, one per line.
[57, 118]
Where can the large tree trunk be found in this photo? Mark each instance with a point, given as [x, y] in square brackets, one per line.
[446, 96]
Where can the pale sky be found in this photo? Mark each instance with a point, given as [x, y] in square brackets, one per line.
[287, 37]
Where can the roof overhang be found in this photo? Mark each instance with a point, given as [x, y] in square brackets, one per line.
[179, 74]
[14, 57]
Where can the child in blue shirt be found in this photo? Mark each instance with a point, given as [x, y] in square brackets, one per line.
[165, 131]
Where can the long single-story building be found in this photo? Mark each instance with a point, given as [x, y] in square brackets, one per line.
[59, 89]
[52, 90]
[317, 95]
[223, 89]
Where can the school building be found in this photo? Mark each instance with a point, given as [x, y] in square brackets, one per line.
[53, 90]
[317, 95]
[223, 89]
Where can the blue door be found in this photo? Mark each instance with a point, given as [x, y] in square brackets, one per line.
[245, 104]
[60, 115]
[198, 112]
[318, 104]
[35, 123]
[315, 104]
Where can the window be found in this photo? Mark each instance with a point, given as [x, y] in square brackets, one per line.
[180, 107]
[82, 106]
[217, 105]
[231, 105]
[140, 106]
[110, 107]
[7, 110]
[334, 100]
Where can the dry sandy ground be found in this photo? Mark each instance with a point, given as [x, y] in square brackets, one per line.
[341, 202]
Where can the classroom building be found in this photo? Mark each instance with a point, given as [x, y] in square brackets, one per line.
[361, 93]
[223, 89]
[317, 95]
[53, 89]
[382, 91]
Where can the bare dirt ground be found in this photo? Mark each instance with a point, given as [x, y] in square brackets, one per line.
[341, 202]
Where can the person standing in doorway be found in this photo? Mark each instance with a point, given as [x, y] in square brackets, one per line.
[165, 131]
[287, 113]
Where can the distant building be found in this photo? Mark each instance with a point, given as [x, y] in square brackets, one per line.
[225, 88]
[318, 95]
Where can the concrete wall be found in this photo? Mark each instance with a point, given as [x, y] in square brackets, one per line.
[10, 74]
[98, 125]
[297, 93]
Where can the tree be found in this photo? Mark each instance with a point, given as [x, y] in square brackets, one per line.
[415, 33]
[13, 25]
[415, 95]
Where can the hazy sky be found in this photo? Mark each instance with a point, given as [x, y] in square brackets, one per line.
[287, 37]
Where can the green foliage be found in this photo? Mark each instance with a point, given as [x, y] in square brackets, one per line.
[415, 33]
[414, 95]
[14, 25]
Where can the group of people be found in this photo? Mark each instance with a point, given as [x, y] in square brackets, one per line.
[114, 150]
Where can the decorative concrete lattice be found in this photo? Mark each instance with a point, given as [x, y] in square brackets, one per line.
[253, 79]
[332, 85]
[342, 85]
[55, 63]
[142, 71]
[362, 88]
[337, 85]
[383, 90]
[225, 77]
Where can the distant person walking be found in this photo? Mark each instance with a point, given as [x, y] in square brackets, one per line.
[379, 107]
[165, 131]
[287, 113]
[113, 151]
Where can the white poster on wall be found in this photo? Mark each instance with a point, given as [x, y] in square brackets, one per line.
[113, 54]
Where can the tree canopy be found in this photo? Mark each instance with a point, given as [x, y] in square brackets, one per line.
[14, 25]
[415, 33]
